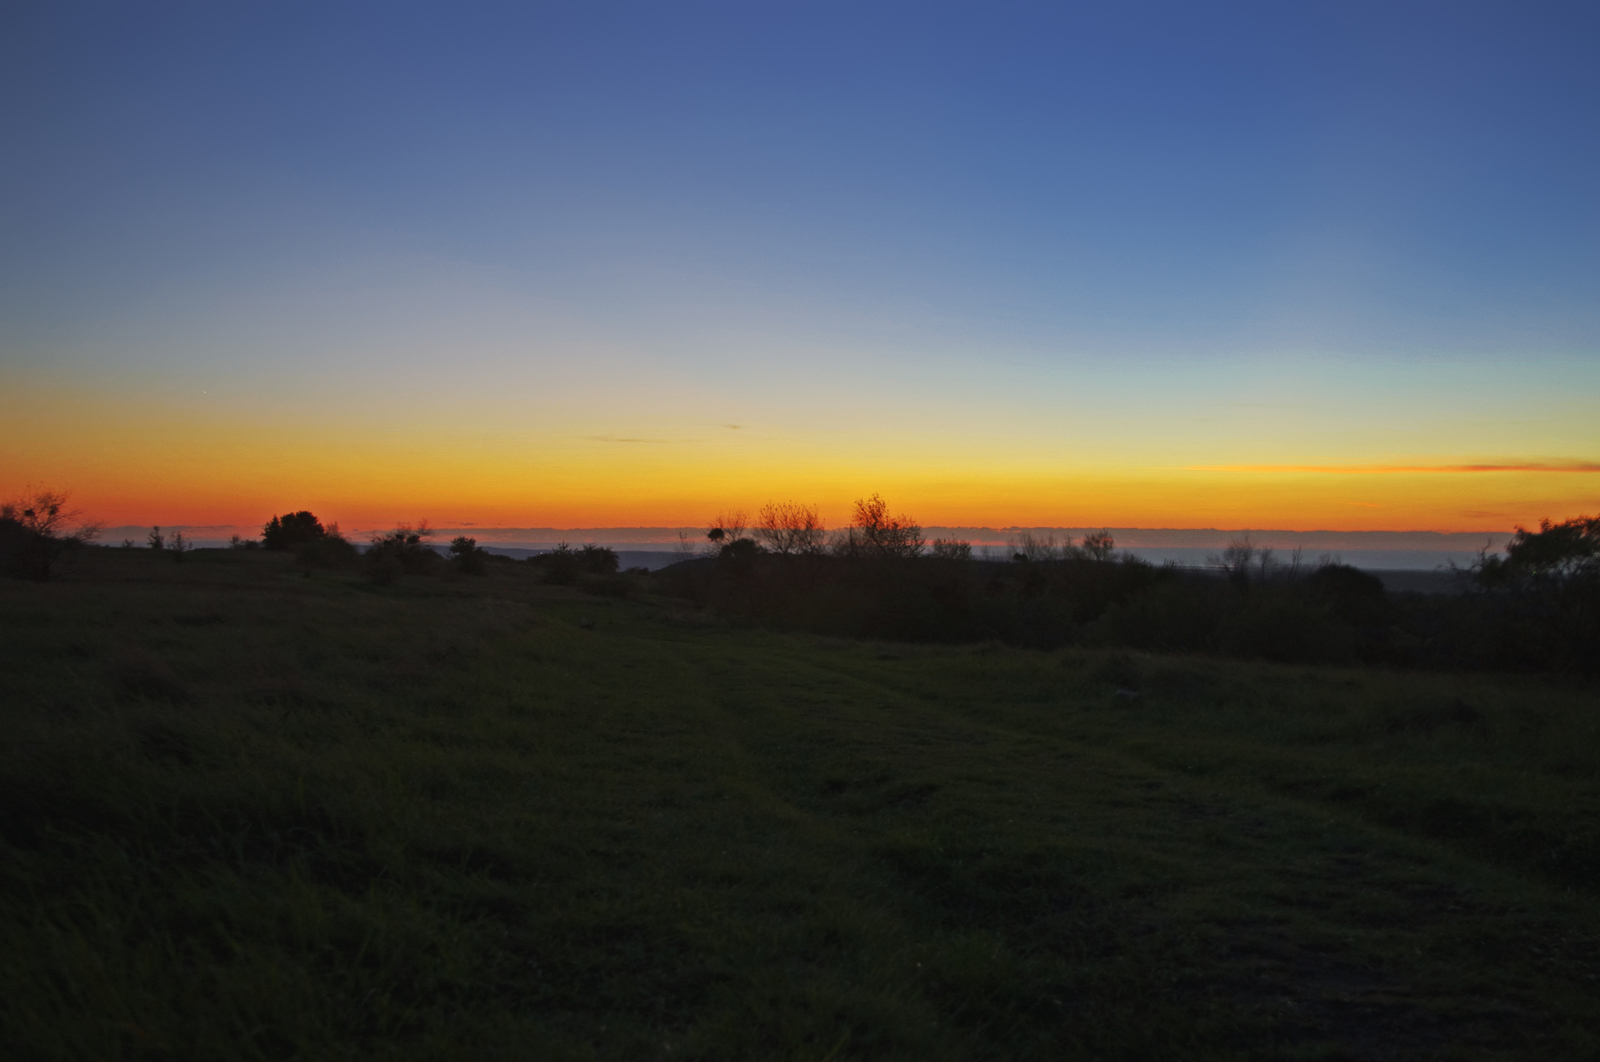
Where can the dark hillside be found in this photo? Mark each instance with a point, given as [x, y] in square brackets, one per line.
[255, 809]
[1327, 614]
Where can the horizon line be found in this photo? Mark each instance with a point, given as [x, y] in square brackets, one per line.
[1008, 528]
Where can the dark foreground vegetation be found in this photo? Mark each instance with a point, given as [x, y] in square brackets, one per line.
[297, 804]
[1535, 609]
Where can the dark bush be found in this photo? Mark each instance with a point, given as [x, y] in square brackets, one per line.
[563, 565]
[24, 553]
[1283, 624]
[1354, 596]
[34, 534]
[1541, 602]
[1547, 618]
[1180, 615]
[559, 567]
[402, 550]
[328, 550]
[467, 556]
[599, 560]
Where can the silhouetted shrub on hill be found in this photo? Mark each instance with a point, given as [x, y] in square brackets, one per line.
[1098, 546]
[327, 550]
[290, 530]
[874, 534]
[591, 567]
[34, 534]
[1048, 595]
[729, 526]
[736, 559]
[559, 567]
[786, 528]
[1556, 553]
[1354, 596]
[878, 580]
[403, 550]
[598, 560]
[467, 556]
[951, 549]
[16, 542]
[1540, 603]
[563, 565]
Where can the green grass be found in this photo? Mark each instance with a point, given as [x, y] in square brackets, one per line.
[247, 813]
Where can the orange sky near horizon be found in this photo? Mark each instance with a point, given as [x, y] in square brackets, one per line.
[145, 462]
[544, 267]
[1157, 499]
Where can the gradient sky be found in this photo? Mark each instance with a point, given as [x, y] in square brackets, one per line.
[1277, 265]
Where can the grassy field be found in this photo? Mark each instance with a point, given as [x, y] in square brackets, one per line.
[249, 812]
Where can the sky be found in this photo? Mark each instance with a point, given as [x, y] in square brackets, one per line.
[1302, 266]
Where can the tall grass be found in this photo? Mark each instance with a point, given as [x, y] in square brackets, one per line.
[253, 809]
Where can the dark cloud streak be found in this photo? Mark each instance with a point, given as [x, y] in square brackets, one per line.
[1590, 467]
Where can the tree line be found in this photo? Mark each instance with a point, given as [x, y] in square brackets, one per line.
[1534, 606]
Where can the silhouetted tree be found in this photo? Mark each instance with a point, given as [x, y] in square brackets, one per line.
[1098, 546]
[34, 533]
[729, 526]
[290, 530]
[1545, 593]
[1235, 560]
[874, 533]
[1039, 550]
[786, 528]
[467, 555]
[1556, 552]
[402, 550]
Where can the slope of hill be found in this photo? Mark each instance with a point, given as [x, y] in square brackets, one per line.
[250, 812]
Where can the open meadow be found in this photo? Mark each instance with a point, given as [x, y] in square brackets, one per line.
[253, 810]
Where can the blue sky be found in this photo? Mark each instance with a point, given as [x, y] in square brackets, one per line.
[625, 221]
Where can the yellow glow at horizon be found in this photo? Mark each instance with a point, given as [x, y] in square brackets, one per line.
[178, 462]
